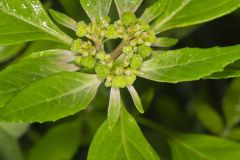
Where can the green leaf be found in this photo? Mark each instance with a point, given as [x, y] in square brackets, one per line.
[181, 13]
[234, 134]
[230, 71]
[201, 147]
[31, 20]
[136, 98]
[127, 5]
[7, 52]
[231, 102]
[209, 118]
[59, 143]
[188, 64]
[114, 107]
[16, 130]
[96, 8]
[165, 42]
[63, 19]
[52, 98]
[9, 148]
[155, 10]
[40, 65]
[124, 141]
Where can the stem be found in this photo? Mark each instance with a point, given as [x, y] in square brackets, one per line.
[118, 51]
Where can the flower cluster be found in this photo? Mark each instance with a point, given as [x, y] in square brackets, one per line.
[121, 66]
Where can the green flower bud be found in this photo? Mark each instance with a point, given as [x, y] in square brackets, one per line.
[136, 61]
[151, 37]
[128, 50]
[81, 29]
[88, 62]
[77, 45]
[130, 79]
[78, 60]
[144, 51]
[128, 18]
[100, 56]
[119, 82]
[112, 32]
[108, 83]
[119, 71]
[144, 25]
[102, 71]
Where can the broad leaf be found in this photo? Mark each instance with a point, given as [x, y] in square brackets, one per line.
[201, 147]
[38, 66]
[230, 71]
[188, 64]
[136, 98]
[9, 148]
[114, 107]
[63, 19]
[231, 102]
[155, 10]
[209, 118]
[127, 5]
[7, 52]
[165, 42]
[181, 13]
[96, 8]
[59, 143]
[16, 130]
[234, 134]
[52, 98]
[125, 141]
[24, 20]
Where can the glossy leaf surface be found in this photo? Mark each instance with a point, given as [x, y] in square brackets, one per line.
[52, 98]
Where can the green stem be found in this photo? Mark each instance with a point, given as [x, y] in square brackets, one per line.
[118, 51]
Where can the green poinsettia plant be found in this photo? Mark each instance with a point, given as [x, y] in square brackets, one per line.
[53, 84]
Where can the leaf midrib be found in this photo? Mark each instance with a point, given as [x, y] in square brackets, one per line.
[67, 40]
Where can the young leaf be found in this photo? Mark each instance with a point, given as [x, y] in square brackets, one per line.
[9, 148]
[201, 147]
[124, 141]
[16, 130]
[96, 8]
[25, 20]
[35, 67]
[181, 13]
[114, 108]
[7, 52]
[188, 64]
[231, 103]
[209, 117]
[136, 98]
[63, 19]
[165, 42]
[59, 143]
[155, 10]
[52, 98]
[127, 5]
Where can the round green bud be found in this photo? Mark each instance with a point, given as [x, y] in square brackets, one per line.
[108, 83]
[151, 36]
[144, 25]
[119, 71]
[130, 79]
[128, 50]
[128, 18]
[112, 32]
[77, 45]
[88, 62]
[119, 82]
[81, 29]
[136, 61]
[100, 56]
[144, 51]
[78, 60]
[102, 71]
